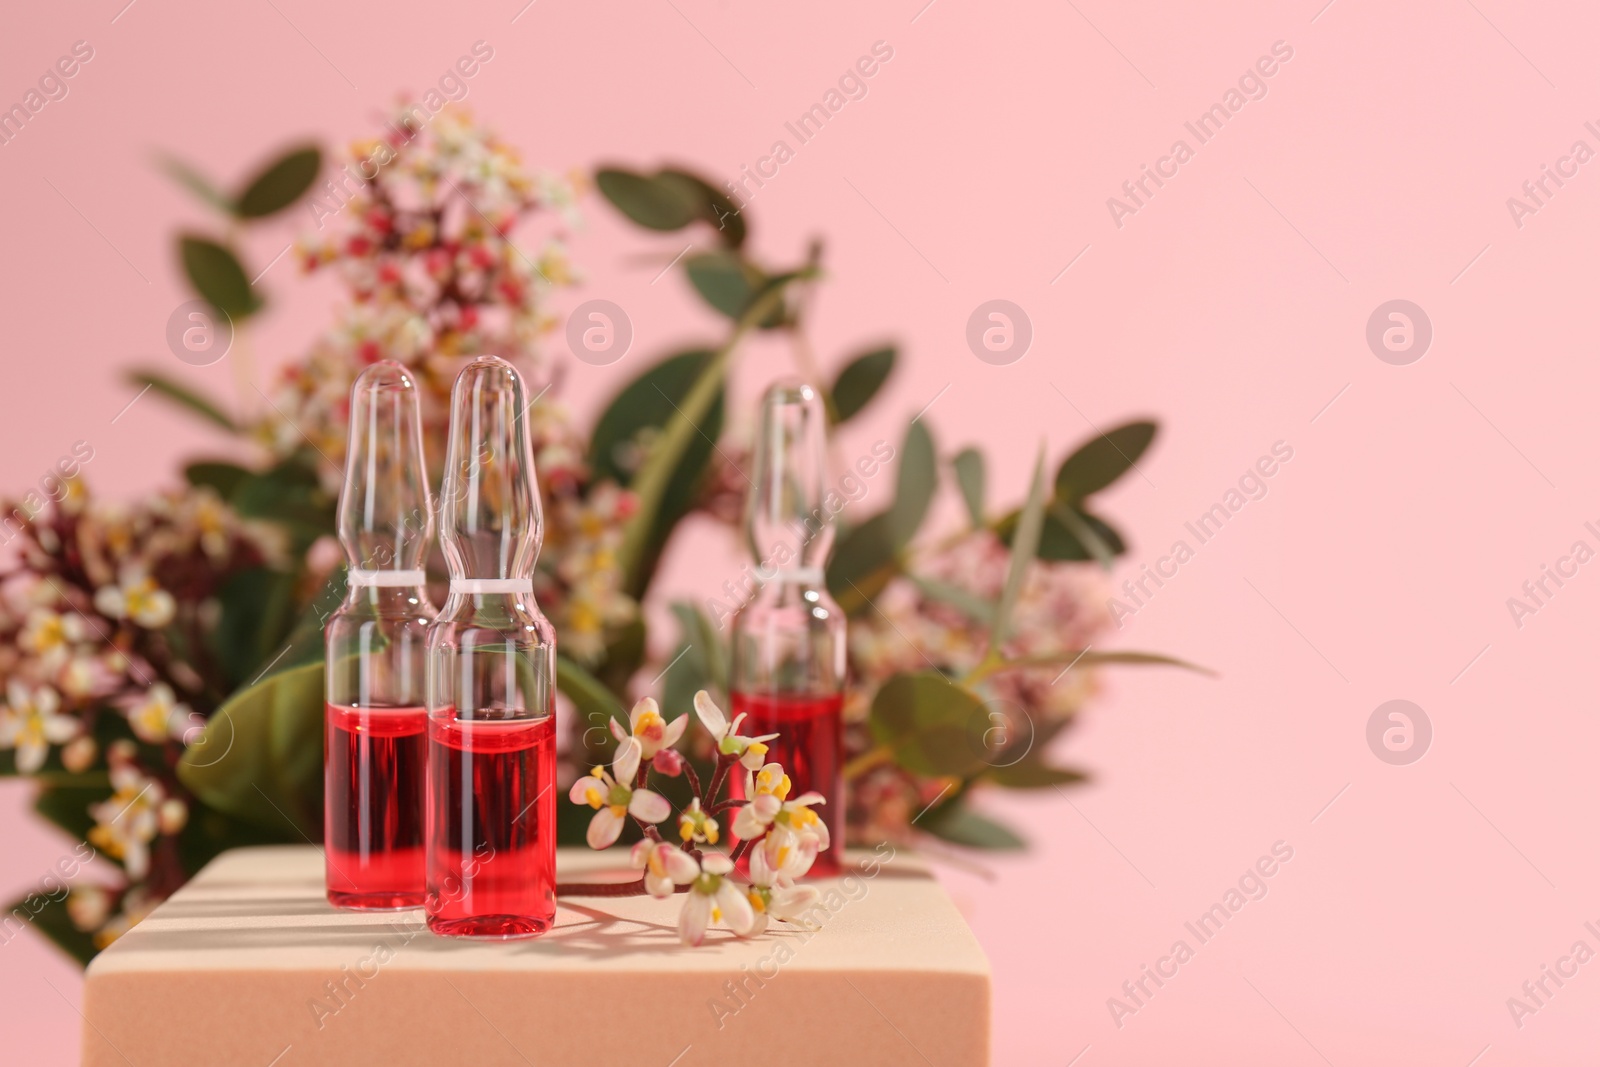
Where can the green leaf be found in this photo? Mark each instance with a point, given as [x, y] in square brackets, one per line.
[859, 382]
[280, 183]
[970, 604]
[49, 916]
[1090, 658]
[933, 726]
[1032, 774]
[290, 493]
[182, 395]
[637, 554]
[195, 182]
[595, 703]
[220, 475]
[216, 274]
[653, 204]
[699, 662]
[260, 757]
[724, 281]
[712, 205]
[960, 825]
[1086, 535]
[634, 425]
[1023, 547]
[1057, 543]
[670, 200]
[1102, 460]
[971, 478]
[915, 482]
[67, 806]
[864, 560]
[257, 612]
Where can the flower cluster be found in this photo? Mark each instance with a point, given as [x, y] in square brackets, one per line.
[425, 252]
[1060, 609]
[779, 835]
[108, 662]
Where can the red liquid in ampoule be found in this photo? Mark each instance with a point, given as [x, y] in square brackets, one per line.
[808, 747]
[492, 867]
[377, 767]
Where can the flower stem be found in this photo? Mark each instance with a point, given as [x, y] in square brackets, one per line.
[607, 889]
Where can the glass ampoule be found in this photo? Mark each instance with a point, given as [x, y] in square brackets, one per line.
[375, 741]
[788, 664]
[491, 677]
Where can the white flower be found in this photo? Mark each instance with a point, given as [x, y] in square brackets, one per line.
[713, 896]
[136, 597]
[773, 868]
[159, 715]
[49, 636]
[770, 807]
[646, 724]
[664, 866]
[128, 820]
[695, 825]
[29, 723]
[614, 797]
[749, 750]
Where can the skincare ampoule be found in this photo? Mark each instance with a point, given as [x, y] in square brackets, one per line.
[491, 678]
[375, 744]
[788, 668]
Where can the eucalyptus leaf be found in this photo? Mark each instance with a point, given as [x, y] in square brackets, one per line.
[933, 726]
[260, 756]
[280, 183]
[218, 277]
[971, 478]
[1086, 535]
[970, 604]
[711, 204]
[49, 916]
[859, 382]
[1033, 774]
[184, 396]
[1024, 545]
[724, 281]
[915, 482]
[864, 559]
[220, 475]
[1102, 460]
[960, 825]
[595, 703]
[647, 201]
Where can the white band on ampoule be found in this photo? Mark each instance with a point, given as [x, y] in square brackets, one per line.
[491, 585]
[387, 579]
[800, 576]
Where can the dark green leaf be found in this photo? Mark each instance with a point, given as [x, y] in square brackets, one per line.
[711, 205]
[1102, 460]
[48, 915]
[280, 183]
[257, 613]
[915, 482]
[1085, 534]
[1024, 546]
[220, 475]
[860, 381]
[960, 825]
[864, 560]
[1031, 774]
[934, 726]
[971, 478]
[260, 757]
[632, 425]
[1057, 543]
[67, 806]
[595, 703]
[218, 277]
[703, 663]
[195, 182]
[724, 281]
[653, 204]
[624, 655]
[291, 494]
[182, 395]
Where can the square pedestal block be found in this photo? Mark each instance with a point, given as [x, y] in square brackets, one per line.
[248, 965]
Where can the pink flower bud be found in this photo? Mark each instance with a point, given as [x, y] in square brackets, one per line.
[668, 762]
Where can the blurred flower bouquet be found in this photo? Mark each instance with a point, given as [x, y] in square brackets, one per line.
[162, 660]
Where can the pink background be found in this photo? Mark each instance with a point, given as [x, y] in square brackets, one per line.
[1233, 306]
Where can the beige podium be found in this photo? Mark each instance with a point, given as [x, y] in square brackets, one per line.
[249, 966]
